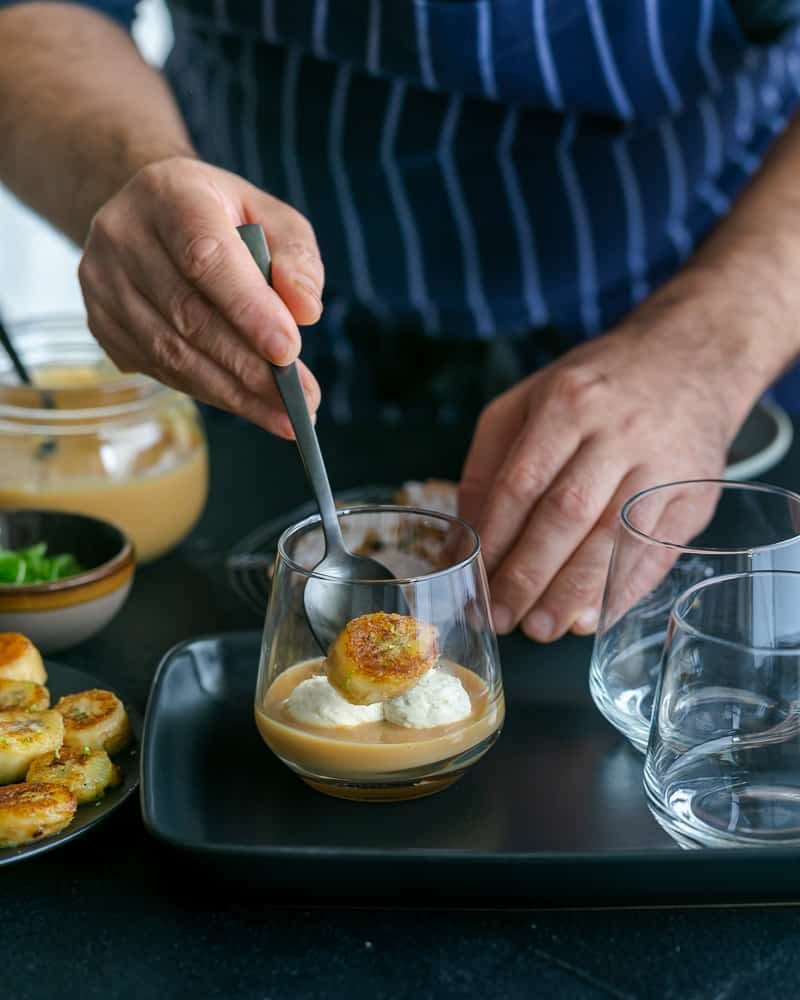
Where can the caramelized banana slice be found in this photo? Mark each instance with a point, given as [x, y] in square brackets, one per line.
[380, 656]
[23, 694]
[95, 719]
[23, 736]
[20, 660]
[30, 812]
[87, 773]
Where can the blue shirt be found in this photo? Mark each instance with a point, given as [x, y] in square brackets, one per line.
[490, 167]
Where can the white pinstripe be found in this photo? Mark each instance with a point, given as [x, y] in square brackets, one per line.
[747, 161]
[587, 267]
[529, 258]
[485, 51]
[318, 28]
[678, 190]
[424, 45]
[745, 108]
[704, 44]
[712, 132]
[291, 164]
[545, 56]
[412, 247]
[604, 51]
[637, 261]
[354, 237]
[253, 165]
[713, 197]
[268, 26]
[659, 59]
[374, 37]
[476, 298]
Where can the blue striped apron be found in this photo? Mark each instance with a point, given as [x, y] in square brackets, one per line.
[483, 169]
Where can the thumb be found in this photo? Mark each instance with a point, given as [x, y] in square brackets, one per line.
[297, 272]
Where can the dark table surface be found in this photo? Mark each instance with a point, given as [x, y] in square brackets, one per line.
[106, 917]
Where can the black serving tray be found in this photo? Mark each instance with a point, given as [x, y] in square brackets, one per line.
[553, 815]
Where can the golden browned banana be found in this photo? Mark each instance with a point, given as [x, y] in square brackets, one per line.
[33, 811]
[87, 773]
[20, 660]
[95, 719]
[23, 736]
[23, 694]
[380, 656]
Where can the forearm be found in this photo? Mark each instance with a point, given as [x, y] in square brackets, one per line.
[743, 283]
[80, 111]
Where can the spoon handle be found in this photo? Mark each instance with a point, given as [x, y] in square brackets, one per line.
[291, 390]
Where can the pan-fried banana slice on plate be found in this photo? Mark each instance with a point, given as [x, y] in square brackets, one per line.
[20, 660]
[87, 773]
[32, 811]
[380, 656]
[23, 736]
[23, 694]
[95, 719]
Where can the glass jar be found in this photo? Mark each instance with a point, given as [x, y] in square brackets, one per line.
[88, 438]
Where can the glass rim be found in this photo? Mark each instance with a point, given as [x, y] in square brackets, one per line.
[677, 615]
[313, 519]
[700, 550]
[53, 422]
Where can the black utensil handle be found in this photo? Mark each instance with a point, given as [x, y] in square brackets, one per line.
[16, 360]
[287, 379]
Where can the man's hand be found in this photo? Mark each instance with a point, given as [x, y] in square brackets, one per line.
[552, 461]
[172, 291]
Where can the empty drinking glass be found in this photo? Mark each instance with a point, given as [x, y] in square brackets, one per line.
[668, 538]
[723, 761]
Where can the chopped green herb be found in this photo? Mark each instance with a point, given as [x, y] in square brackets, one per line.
[33, 565]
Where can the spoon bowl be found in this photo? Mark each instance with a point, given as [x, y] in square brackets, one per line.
[330, 603]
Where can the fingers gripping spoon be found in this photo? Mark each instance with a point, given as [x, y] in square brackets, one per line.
[329, 603]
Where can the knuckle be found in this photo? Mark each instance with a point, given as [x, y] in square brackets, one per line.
[167, 354]
[569, 503]
[150, 178]
[520, 483]
[521, 579]
[304, 247]
[190, 313]
[573, 386]
[202, 255]
[247, 315]
[580, 585]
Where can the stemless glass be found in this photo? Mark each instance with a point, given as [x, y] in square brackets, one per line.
[380, 760]
[723, 761]
[668, 538]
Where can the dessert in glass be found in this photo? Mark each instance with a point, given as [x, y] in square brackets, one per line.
[400, 705]
[119, 447]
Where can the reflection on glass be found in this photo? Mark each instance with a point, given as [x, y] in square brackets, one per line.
[340, 718]
[723, 761]
[669, 538]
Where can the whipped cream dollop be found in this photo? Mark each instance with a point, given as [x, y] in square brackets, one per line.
[437, 699]
[316, 702]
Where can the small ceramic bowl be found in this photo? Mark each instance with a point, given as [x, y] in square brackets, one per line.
[63, 613]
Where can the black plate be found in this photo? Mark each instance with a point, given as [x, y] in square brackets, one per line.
[554, 813]
[63, 680]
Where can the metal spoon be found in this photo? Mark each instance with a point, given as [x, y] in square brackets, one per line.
[329, 604]
[48, 446]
